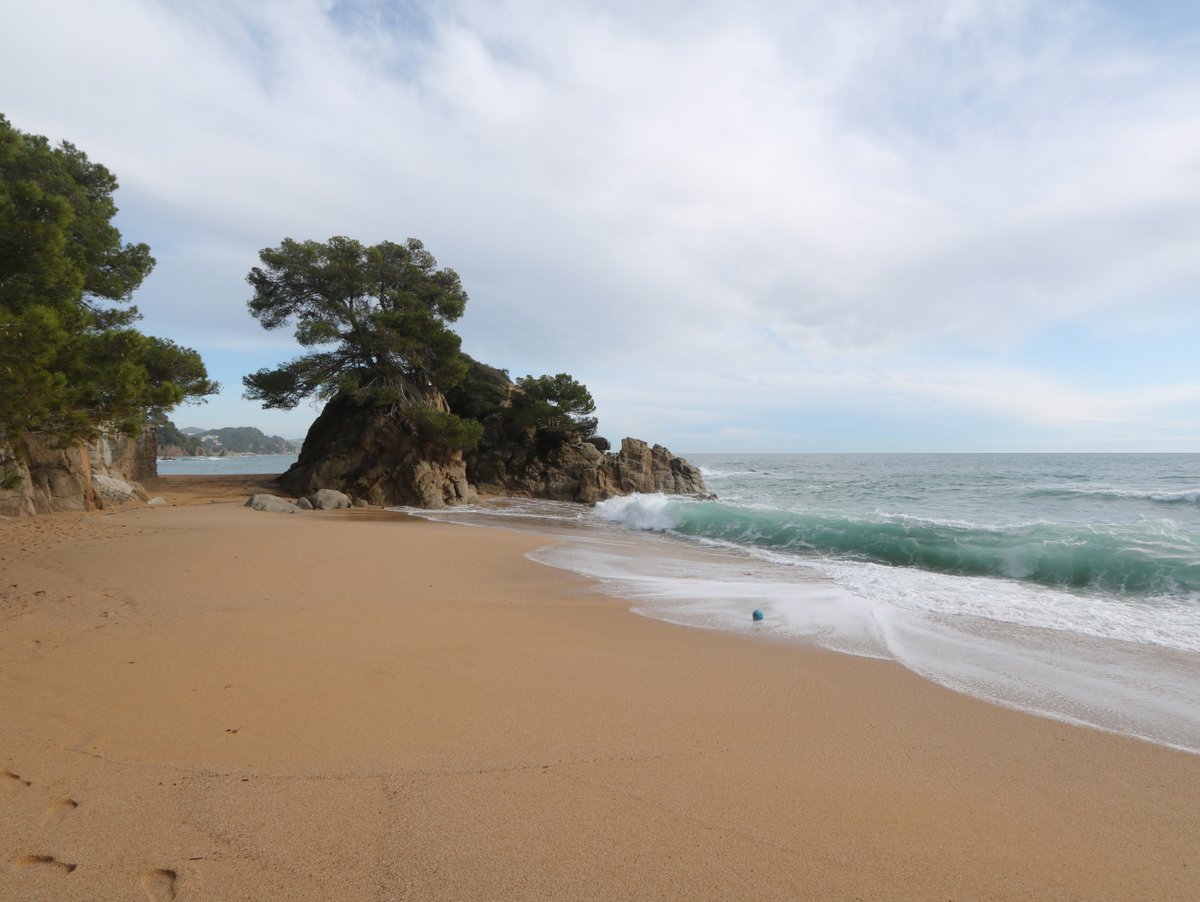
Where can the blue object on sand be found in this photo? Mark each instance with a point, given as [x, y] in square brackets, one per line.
[758, 615]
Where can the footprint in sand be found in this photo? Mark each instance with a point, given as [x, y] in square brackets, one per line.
[57, 811]
[159, 884]
[41, 863]
[12, 782]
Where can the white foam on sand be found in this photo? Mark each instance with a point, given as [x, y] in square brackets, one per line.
[1131, 688]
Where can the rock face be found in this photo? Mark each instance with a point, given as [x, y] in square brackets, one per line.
[42, 476]
[571, 469]
[385, 456]
[639, 468]
[377, 456]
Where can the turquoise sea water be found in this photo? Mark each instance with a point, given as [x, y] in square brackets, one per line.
[1119, 529]
[1067, 585]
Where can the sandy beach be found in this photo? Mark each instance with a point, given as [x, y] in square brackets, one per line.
[200, 701]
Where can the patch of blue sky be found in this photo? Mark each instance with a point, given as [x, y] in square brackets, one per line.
[395, 28]
[408, 18]
[1163, 23]
[1092, 358]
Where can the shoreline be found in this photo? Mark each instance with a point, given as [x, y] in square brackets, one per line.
[242, 704]
[1142, 691]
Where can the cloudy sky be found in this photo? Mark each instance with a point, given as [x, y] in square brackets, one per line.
[953, 225]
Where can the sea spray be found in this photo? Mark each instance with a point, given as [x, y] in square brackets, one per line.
[1148, 559]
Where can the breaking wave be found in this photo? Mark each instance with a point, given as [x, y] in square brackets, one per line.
[1148, 559]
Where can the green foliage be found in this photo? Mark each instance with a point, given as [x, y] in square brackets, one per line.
[69, 363]
[439, 429]
[483, 391]
[167, 434]
[249, 440]
[552, 404]
[375, 316]
[10, 475]
[234, 439]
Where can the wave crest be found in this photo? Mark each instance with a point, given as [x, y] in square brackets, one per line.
[1183, 496]
[1110, 559]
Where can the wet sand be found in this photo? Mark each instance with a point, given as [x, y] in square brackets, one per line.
[200, 701]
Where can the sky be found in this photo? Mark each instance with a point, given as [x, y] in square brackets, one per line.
[933, 225]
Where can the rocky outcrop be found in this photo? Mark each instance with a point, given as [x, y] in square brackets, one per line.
[172, 451]
[638, 467]
[536, 453]
[385, 456]
[377, 455]
[41, 475]
[566, 468]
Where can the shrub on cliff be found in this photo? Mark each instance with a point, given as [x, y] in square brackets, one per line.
[441, 429]
[556, 404]
[70, 363]
[483, 391]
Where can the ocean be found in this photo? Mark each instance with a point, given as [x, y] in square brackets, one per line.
[225, 466]
[1066, 585]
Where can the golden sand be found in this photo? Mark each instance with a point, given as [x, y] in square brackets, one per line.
[202, 701]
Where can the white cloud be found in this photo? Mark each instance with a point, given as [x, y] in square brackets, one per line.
[651, 195]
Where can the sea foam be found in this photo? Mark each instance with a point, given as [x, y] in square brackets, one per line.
[1066, 585]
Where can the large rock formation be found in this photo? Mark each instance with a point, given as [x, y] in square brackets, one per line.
[639, 468]
[559, 460]
[567, 468]
[392, 455]
[377, 455]
[42, 475]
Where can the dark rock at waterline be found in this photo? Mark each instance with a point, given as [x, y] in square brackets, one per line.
[568, 468]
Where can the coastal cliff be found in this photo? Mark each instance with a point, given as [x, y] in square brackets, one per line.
[43, 475]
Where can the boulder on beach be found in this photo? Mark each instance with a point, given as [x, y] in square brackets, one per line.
[272, 504]
[112, 490]
[329, 500]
